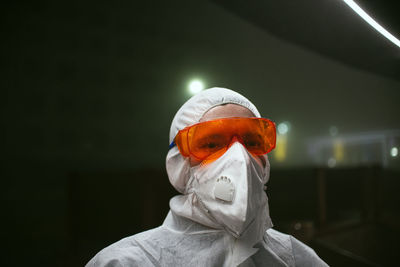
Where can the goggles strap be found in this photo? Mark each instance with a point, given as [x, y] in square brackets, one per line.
[172, 145]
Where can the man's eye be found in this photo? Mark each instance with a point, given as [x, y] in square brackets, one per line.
[212, 142]
[252, 140]
[252, 143]
[210, 145]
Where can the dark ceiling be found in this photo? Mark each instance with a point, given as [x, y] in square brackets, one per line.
[330, 28]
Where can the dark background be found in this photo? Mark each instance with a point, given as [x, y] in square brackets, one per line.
[90, 89]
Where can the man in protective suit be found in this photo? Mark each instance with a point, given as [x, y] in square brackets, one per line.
[218, 162]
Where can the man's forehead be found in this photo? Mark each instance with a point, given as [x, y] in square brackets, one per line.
[226, 111]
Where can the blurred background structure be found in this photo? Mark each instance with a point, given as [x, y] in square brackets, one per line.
[90, 89]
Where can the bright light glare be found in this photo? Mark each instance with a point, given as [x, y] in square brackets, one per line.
[372, 22]
[195, 86]
[394, 151]
[283, 128]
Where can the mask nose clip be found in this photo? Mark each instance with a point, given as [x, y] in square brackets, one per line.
[224, 189]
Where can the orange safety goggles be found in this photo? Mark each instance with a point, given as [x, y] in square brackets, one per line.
[211, 139]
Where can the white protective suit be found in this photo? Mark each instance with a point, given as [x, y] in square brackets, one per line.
[221, 218]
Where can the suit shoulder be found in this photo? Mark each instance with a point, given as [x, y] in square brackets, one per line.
[302, 254]
[125, 252]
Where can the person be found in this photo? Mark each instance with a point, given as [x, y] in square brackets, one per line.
[218, 162]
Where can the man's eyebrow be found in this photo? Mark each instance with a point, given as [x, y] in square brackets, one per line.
[205, 136]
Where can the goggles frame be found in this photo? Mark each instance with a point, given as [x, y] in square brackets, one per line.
[267, 127]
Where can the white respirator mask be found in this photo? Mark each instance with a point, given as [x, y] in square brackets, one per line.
[230, 191]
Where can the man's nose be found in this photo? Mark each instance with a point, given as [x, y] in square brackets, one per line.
[235, 139]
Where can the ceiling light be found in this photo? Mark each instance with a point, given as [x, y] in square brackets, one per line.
[372, 22]
[195, 87]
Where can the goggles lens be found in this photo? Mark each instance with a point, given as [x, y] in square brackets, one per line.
[210, 139]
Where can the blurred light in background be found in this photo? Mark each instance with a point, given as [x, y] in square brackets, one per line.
[356, 149]
[283, 128]
[372, 22]
[338, 150]
[333, 130]
[331, 162]
[195, 86]
[281, 141]
[394, 152]
[281, 147]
